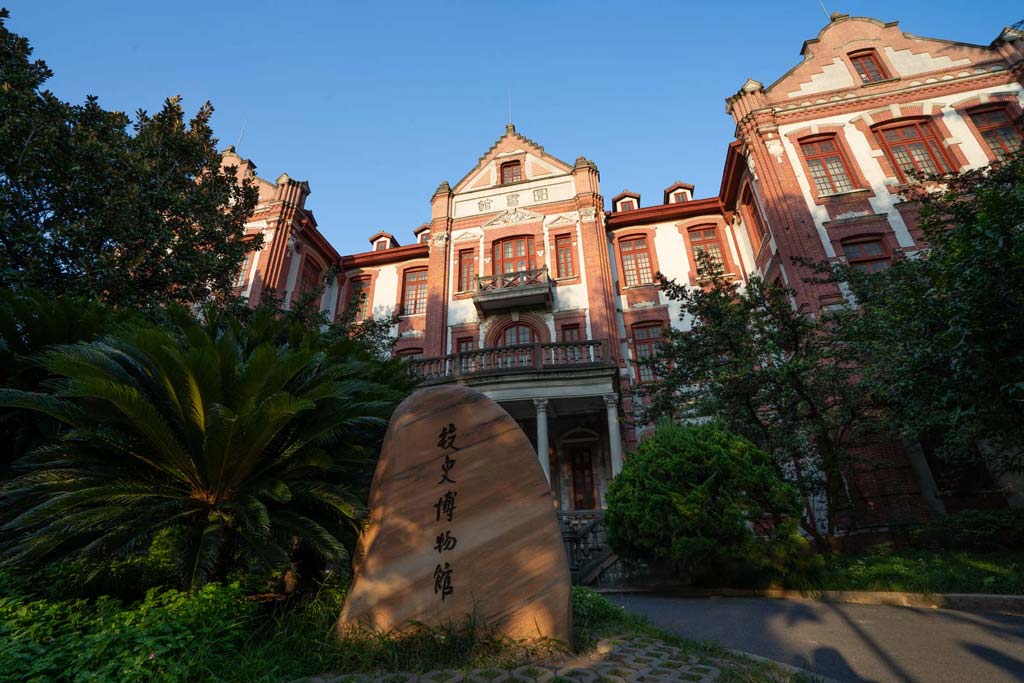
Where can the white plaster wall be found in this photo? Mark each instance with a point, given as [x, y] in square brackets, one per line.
[833, 76]
[385, 291]
[559, 187]
[881, 199]
[673, 263]
[907, 63]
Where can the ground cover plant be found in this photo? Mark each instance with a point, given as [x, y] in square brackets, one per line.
[217, 634]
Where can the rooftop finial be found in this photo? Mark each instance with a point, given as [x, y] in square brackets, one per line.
[510, 128]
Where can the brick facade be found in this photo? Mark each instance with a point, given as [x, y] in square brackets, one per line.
[572, 365]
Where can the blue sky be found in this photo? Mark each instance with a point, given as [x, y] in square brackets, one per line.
[376, 103]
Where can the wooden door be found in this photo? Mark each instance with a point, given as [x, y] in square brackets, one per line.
[582, 459]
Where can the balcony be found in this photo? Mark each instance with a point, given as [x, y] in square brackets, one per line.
[523, 359]
[521, 289]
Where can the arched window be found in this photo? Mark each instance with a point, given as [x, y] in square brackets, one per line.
[705, 241]
[636, 261]
[518, 333]
[511, 172]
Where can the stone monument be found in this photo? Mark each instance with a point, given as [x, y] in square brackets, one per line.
[461, 522]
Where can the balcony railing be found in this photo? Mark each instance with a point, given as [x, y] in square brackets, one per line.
[521, 358]
[512, 290]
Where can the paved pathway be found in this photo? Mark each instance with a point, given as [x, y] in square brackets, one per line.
[634, 660]
[850, 642]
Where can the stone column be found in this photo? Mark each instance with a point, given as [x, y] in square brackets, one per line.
[541, 404]
[611, 402]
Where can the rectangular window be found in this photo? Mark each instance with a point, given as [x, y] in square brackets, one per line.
[913, 148]
[310, 280]
[563, 254]
[636, 261]
[627, 205]
[512, 172]
[705, 243]
[827, 166]
[868, 66]
[359, 299]
[243, 273]
[571, 333]
[868, 257]
[464, 344]
[645, 342]
[381, 245]
[752, 218]
[467, 270]
[998, 131]
[414, 297]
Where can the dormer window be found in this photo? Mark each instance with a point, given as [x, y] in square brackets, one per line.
[627, 205]
[424, 237]
[679, 197]
[381, 245]
[511, 172]
[868, 66]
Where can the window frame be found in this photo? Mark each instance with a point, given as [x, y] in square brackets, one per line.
[467, 282]
[636, 253]
[927, 133]
[823, 157]
[983, 128]
[883, 257]
[242, 279]
[498, 259]
[644, 374]
[563, 246]
[509, 165]
[871, 55]
[751, 212]
[623, 205]
[359, 285]
[693, 243]
[306, 282]
[420, 283]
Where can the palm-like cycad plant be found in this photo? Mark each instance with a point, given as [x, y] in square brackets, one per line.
[251, 448]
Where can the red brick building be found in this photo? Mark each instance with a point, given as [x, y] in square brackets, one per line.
[522, 285]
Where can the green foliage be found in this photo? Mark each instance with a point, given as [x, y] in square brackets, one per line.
[255, 451]
[922, 572]
[939, 335]
[30, 322]
[983, 530]
[770, 374]
[169, 636]
[692, 495]
[89, 208]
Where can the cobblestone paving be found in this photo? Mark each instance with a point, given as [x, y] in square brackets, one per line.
[633, 660]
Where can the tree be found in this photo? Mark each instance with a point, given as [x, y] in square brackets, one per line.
[254, 451]
[940, 336]
[770, 374]
[693, 495]
[89, 209]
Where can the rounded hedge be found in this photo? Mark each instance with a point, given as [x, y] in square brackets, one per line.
[706, 501]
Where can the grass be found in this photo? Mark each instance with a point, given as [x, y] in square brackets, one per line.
[923, 571]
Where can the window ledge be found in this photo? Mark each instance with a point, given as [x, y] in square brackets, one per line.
[648, 284]
[826, 197]
[893, 79]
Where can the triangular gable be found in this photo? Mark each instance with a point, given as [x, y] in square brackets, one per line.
[824, 69]
[537, 163]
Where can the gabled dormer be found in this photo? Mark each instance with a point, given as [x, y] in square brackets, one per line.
[626, 201]
[678, 192]
[422, 233]
[383, 240]
[513, 159]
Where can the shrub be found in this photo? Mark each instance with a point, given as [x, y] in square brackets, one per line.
[692, 495]
[985, 530]
[165, 637]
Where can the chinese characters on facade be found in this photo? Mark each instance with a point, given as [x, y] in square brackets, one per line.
[445, 512]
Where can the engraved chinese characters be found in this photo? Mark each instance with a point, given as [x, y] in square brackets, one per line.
[461, 522]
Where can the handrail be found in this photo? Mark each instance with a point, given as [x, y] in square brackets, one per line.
[519, 278]
[540, 356]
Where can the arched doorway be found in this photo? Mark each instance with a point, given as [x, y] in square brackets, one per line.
[517, 341]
